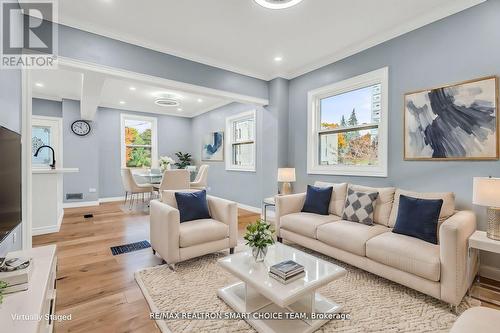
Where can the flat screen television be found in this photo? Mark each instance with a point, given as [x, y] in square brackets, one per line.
[10, 181]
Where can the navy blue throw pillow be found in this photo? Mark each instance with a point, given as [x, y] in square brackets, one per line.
[418, 218]
[317, 200]
[192, 205]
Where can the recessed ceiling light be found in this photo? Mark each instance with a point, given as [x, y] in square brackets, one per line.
[39, 84]
[122, 102]
[277, 4]
[179, 109]
[132, 88]
[166, 102]
[200, 100]
[278, 59]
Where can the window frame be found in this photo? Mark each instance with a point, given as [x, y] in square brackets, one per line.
[154, 138]
[379, 76]
[230, 141]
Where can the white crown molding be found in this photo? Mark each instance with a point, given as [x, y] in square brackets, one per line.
[433, 16]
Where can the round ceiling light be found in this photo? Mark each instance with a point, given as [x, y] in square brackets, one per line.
[167, 102]
[277, 4]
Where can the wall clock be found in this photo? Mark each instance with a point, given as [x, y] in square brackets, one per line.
[80, 127]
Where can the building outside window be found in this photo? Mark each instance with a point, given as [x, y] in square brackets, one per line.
[347, 127]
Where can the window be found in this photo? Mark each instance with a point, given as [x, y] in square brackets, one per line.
[240, 145]
[46, 131]
[138, 141]
[347, 127]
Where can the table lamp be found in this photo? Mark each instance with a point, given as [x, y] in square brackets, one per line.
[286, 176]
[486, 192]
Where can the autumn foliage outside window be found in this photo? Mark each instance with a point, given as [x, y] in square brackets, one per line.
[138, 143]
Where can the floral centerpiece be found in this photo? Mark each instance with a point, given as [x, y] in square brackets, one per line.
[259, 236]
[166, 163]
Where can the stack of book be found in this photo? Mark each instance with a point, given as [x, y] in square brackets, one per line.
[287, 271]
[16, 273]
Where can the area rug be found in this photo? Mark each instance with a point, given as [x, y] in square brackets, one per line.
[374, 303]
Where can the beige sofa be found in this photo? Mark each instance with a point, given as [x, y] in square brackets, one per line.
[175, 241]
[436, 270]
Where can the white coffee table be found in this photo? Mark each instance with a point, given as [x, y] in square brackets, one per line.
[259, 294]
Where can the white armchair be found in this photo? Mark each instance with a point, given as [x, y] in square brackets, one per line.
[176, 242]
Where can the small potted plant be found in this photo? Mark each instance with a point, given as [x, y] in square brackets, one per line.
[3, 285]
[184, 160]
[166, 163]
[259, 236]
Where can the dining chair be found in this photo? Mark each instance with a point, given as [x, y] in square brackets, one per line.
[201, 179]
[172, 180]
[132, 188]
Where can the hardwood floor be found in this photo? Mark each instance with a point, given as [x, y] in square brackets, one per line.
[97, 288]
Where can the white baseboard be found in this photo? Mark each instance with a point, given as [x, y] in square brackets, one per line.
[111, 199]
[490, 272]
[45, 230]
[80, 204]
[250, 208]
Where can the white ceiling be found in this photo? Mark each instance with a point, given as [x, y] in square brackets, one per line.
[65, 83]
[244, 37]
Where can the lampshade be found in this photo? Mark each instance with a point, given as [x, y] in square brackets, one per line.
[286, 175]
[486, 192]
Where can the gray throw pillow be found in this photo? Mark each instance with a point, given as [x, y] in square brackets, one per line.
[359, 206]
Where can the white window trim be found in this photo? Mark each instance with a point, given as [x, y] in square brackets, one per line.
[154, 137]
[229, 141]
[314, 96]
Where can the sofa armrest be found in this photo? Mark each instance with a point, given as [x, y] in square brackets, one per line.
[164, 231]
[227, 212]
[287, 204]
[454, 234]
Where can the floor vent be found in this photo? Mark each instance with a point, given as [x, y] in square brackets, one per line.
[88, 216]
[74, 196]
[129, 247]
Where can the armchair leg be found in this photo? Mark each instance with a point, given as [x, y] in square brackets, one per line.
[231, 250]
[154, 251]
[453, 309]
[280, 239]
[172, 267]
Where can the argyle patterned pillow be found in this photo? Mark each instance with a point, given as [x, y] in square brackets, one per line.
[359, 206]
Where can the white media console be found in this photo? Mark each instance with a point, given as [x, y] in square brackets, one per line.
[30, 311]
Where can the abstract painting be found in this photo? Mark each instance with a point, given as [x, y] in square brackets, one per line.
[213, 147]
[456, 122]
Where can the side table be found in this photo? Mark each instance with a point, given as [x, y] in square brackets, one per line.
[268, 202]
[478, 241]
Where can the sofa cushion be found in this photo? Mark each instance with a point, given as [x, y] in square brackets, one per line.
[201, 231]
[317, 200]
[337, 200]
[349, 236]
[383, 204]
[418, 218]
[407, 254]
[359, 206]
[192, 205]
[305, 224]
[447, 210]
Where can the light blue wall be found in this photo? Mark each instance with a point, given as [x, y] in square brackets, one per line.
[80, 152]
[461, 47]
[78, 44]
[243, 187]
[44, 107]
